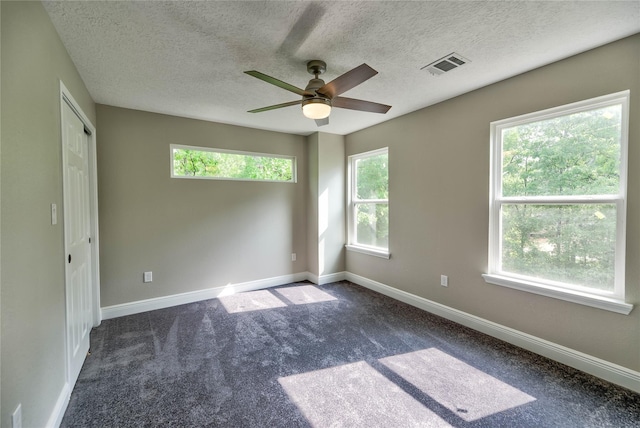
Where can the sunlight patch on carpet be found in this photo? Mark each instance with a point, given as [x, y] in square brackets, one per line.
[466, 391]
[302, 295]
[355, 395]
[251, 301]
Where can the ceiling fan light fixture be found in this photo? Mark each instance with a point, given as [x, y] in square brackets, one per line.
[316, 108]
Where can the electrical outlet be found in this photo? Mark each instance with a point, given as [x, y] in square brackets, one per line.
[293, 257]
[444, 280]
[148, 277]
[16, 417]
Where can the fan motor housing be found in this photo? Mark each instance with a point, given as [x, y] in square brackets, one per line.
[314, 84]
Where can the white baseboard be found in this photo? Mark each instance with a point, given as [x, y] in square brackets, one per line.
[595, 366]
[55, 419]
[326, 279]
[131, 308]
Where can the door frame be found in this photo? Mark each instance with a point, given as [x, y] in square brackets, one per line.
[96, 316]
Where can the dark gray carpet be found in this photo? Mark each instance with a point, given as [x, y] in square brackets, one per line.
[326, 356]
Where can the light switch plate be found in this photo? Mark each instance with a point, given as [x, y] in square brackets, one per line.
[54, 214]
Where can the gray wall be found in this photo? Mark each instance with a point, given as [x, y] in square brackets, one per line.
[439, 192]
[32, 264]
[312, 204]
[330, 230]
[326, 204]
[192, 234]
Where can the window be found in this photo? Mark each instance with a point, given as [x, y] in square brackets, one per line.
[558, 202]
[369, 203]
[207, 163]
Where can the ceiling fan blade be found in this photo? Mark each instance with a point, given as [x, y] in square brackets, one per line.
[292, 103]
[353, 104]
[322, 122]
[348, 80]
[278, 83]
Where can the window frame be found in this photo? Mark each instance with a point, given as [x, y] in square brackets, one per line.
[294, 167]
[612, 301]
[352, 202]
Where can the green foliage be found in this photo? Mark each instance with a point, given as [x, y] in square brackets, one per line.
[373, 218]
[373, 177]
[577, 154]
[567, 243]
[373, 224]
[200, 163]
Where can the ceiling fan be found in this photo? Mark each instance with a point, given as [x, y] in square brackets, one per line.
[318, 97]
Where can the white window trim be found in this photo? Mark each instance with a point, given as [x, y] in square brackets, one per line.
[372, 251]
[575, 296]
[352, 245]
[294, 166]
[603, 300]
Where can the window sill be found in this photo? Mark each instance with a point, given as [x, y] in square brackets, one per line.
[369, 250]
[586, 299]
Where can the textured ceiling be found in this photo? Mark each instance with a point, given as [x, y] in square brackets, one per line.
[187, 58]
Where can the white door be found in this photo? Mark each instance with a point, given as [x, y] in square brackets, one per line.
[77, 226]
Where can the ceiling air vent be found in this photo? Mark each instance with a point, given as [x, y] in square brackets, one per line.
[446, 63]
